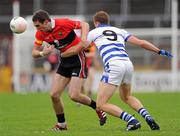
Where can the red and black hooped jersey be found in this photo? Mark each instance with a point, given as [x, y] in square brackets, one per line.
[62, 35]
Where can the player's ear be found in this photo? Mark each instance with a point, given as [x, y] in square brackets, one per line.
[96, 23]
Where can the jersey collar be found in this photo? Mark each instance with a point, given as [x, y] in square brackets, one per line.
[103, 25]
[52, 23]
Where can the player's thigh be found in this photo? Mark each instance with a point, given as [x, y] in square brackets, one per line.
[75, 85]
[125, 91]
[59, 83]
[105, 92]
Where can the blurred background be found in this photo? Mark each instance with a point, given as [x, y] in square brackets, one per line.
[157, 21]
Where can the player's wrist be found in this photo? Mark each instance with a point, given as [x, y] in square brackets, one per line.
[159, 52]
[41, 53]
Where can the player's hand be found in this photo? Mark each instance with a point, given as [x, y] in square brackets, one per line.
[48, 49]
[165, 53]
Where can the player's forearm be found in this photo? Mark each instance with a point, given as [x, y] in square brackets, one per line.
[72, 51]
[149, 46]
[37, 54]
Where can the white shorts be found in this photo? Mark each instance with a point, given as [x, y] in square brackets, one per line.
[117, 72]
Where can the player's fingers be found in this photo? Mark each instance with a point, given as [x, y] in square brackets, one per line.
[52, 47]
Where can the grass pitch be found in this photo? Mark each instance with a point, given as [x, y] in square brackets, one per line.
[32, 115]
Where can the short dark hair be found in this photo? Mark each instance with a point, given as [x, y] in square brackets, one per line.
[41, 16]
[102, 17]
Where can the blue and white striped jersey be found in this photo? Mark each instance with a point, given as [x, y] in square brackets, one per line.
[110, 42]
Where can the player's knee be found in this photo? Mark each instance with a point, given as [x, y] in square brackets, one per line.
[125, 98]
[54, 96]
[74, 96]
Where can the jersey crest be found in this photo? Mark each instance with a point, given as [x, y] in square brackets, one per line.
[60, 33]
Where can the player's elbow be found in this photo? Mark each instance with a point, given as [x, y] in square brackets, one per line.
[142, 43]
[85, 26]
[33, 55]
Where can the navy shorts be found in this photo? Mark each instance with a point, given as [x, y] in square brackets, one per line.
[73, 66]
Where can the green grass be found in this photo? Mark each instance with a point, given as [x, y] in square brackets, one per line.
[32, 115]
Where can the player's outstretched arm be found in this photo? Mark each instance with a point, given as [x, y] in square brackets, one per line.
[148, 46]
[76, 49]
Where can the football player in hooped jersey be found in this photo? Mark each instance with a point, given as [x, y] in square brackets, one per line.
[59, 34]
[118, 69]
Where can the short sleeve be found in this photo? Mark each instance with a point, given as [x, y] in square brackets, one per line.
[72, 24]
[38, 39]
[125, 34]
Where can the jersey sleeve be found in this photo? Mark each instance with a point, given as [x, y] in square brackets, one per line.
[125, 34]
[72, 24]
[38, 39]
